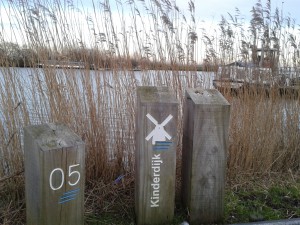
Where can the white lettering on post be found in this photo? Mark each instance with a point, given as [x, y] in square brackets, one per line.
[155, 185]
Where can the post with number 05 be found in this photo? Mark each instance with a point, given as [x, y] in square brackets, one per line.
[54, 175]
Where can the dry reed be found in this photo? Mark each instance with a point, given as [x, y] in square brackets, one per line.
[100, 106]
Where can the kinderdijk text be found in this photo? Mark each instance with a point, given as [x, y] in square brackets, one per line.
[155, 185]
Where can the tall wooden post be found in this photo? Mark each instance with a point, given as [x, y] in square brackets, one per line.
[54, 175]
[205, 142]
[156, 139]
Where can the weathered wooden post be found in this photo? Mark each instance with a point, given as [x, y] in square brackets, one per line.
[54, 175]
[156, 139]
[205, 142]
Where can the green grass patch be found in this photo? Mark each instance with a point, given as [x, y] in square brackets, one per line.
[254, 201]
[257, 203]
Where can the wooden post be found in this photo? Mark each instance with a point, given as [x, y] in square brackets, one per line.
[205, 142]
[156, 140]
[54, 175]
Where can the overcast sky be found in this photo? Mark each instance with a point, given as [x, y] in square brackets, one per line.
[213, 9]
[207, 12]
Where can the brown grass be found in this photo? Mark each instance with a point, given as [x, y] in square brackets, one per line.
[261, 132]
[100, 105]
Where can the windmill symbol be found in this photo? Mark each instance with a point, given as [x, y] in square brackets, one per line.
[159, 133]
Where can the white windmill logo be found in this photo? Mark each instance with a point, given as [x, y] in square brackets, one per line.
[159, 133]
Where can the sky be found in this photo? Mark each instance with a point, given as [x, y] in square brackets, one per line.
[207, 14]
[213, 9]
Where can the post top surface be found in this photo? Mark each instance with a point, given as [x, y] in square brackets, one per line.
[153, 94]
[202, 96]
[53, 136]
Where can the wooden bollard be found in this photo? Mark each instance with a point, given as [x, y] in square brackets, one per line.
[205, 142]
[54, 175]
[155, 156]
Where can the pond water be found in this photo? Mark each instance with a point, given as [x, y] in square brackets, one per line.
[116, 87]
[149, 77]
[105, 82]
[25, 82]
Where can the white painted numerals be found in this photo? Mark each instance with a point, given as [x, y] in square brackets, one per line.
[58, 170]
[72, 173]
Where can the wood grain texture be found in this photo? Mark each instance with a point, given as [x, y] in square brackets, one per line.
[48, 147]
[205, 142]
[159, 102]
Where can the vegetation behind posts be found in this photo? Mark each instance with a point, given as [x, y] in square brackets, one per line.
[99, 105]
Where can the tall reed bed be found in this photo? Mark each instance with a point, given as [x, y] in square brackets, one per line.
[264, 134]
[99, 105]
